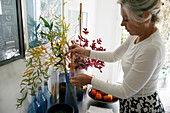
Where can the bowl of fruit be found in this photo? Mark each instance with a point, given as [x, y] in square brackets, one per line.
[101, 97]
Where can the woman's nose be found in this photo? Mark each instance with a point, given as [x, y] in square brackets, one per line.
[122, 23]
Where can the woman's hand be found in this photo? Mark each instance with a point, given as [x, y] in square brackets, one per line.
[81, 79]
[79, 50]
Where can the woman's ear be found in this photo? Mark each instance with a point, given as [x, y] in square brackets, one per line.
[148, 16]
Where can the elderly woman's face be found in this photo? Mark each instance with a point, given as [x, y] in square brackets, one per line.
[134, 28]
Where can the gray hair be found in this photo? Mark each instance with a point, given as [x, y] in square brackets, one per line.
[135, 9]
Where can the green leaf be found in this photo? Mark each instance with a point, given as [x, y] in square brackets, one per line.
[35, 85]
[46, 24]
[68, 26]
[25, 80]
[32, 88]
[40, 79]
[33, 73]
[79, 18]
[30, 83]
[22, 90]
[22, 84]
[51, 26]
[46, 70]
[20, 100]
[46, 77]
[34, 78]
[38, 26]
[29, 63]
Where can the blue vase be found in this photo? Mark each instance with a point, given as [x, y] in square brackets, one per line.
[48, 95]
[70, 97]
[34, 106]
[42, 100]
[79, 90]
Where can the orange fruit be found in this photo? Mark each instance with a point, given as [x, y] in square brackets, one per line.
[108, 97]
[93, 92]
[98, 96]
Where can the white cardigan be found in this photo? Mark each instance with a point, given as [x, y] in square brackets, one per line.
[141, 64]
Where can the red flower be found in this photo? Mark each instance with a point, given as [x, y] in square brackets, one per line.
[77, 40]
[80, 38]
[84, 63]
[72, 41]
[93, 46]
[85, 31]
[99, 41]
[86, 43]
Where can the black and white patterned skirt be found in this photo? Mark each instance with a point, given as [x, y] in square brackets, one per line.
[148, 104]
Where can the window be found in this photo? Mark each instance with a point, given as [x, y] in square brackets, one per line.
[164, 27]
[34, 9]
[11, 33]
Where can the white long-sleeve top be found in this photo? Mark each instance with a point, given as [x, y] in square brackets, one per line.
[141, 64]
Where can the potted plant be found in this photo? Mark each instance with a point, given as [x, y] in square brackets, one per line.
[42, 57]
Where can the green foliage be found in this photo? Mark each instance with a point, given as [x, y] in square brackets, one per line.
[41, 57]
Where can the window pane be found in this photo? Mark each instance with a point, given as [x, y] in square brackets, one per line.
[9, 36]
[36, 8]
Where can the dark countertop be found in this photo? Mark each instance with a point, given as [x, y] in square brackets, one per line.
[87, 102]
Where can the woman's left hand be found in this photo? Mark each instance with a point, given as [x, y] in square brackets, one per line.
[81, 79]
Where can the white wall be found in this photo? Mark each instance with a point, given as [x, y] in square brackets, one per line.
[107, 27]
[10, 77]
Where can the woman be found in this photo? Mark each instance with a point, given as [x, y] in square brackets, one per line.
[142, 56]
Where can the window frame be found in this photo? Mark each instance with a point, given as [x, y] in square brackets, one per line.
[20, 36]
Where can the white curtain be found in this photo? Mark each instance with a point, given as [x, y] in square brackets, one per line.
[103, 22]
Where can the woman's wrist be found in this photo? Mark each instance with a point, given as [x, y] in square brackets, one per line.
[90, 79]
[88, 52]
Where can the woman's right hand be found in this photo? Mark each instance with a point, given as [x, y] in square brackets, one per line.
[81, 79]
[79, 50]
